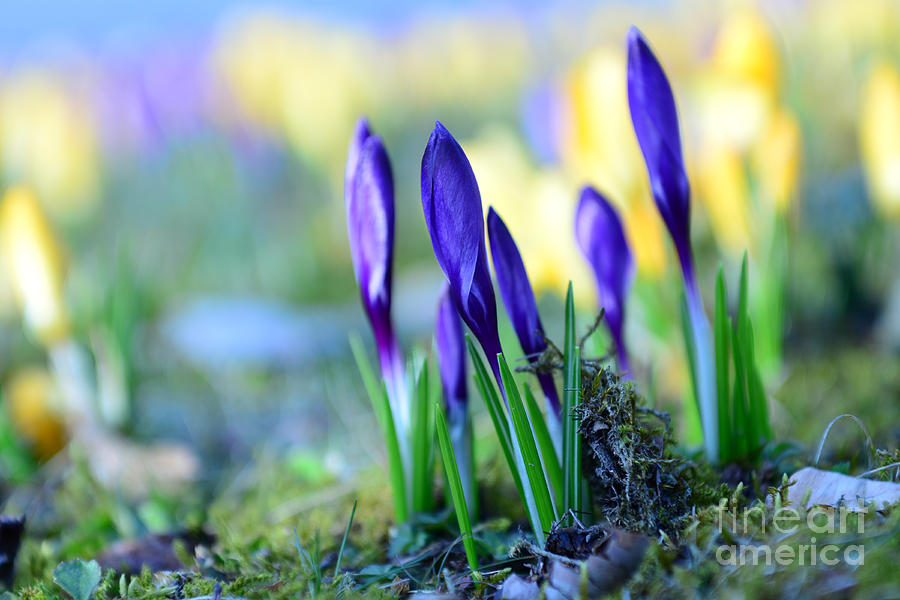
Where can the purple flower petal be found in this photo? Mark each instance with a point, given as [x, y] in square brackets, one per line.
[452, 206]
[518, 297]
[655, 121]
[601, 239]
[369, 199]
[451, 353]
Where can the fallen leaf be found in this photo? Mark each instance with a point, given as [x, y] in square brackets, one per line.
[835, 489]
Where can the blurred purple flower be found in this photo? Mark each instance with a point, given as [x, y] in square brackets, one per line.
[544, 118]
[518, 297]
[145, 102]
[369, 198]
[451, 353]
[452, 206]
[655, 121]
[601, 239]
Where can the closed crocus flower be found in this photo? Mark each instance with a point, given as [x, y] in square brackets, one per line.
[369, 197]
[655, 121]
[521, 306]
[602, 241]
[35, 264]
[452, 206]
[450, 347]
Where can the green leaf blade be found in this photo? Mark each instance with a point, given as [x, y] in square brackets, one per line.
[456, 489]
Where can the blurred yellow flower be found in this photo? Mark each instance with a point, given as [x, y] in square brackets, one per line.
[744, 134]
[721, 184]
[36, 265]
[776, 160]
[538, 206]
[599, 148]
[297, 81]
[32, 404]
[443, 62]
[48, 141]
[738, 88]
[879, 136]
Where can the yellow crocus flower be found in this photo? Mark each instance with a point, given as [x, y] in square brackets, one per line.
[738, 88]
[537, 205]
[35, 263]
[297, 82]
[746, 49]
[32, 403]
[48, 141]
[599, 148]
[722, 186]
[879, 136]
[777, 158]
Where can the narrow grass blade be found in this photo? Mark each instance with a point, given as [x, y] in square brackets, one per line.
[422, 442]
[552, 467]
[381, 406]
[340, 554]
[758, 405]
[739, 417]
[370, 380]
[723, 355]
[744, 333]
[534, 470]
[456, 489]
[485, 383]
[578, 489]
[571, 439]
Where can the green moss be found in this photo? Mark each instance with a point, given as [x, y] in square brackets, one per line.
[638, 482]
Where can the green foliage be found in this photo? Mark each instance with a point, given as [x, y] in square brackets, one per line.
[572, 492]
[340, 555]
[743, 416]
[79, 578]
[549, 485]
[422, 435]
[531, 459]
[491, 398]
[545, 443]
[382, 407]
[456, 488]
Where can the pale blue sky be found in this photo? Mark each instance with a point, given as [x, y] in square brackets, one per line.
[93, 24]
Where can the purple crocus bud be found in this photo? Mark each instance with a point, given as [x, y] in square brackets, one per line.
[518, 297]
[655, 121]
[451, 355]
[369, 198]
[601, 239]
[452, 206]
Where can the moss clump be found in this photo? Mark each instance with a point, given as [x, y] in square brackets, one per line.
[639, 483]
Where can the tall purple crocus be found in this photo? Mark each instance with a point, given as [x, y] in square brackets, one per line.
[450, 347]
[518, 297]
[655, 121]
[369, 198]
[452, 205]
[601, 239]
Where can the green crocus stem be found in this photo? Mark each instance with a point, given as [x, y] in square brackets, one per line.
[554, 427]
[705, 375]
[395, 377]
[460, 430]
